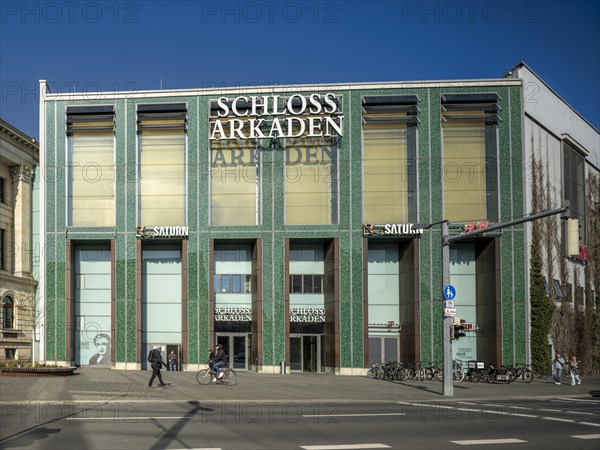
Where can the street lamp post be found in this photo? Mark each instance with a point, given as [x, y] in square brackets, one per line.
[448, 388]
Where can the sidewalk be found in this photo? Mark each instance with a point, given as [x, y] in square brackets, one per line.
[101, 385]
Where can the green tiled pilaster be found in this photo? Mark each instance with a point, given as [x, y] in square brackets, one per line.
[193, 299]
[267, 299]
[356, 292]
[278, 303]
[203, 307]
[345, 317]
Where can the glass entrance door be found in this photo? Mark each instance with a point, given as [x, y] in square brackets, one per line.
[236, 348]
[306, 353]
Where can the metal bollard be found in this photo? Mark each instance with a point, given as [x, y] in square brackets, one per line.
[282, 368]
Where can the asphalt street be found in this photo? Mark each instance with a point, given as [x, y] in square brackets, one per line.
[98, 384]
[107, 409]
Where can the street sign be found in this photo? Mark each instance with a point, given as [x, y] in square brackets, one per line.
[449, 292]
[449, 304]
[449, 312]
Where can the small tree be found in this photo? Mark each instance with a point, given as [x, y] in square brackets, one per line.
[542, 307]
[541, 319]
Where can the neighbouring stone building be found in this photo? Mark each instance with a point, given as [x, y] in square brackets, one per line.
[19, 154]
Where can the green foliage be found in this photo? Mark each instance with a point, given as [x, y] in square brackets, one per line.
[541, 319]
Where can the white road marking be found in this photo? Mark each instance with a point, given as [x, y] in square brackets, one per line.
[99, 392]
[343, 447]
[515, 413]
[586, 436]
[355, 415]
[576, 400]
[124, 419]
[530, 408]
[581, 412]
[590, 424]
[558, 420]
[489, 441]
[454, 408]
[485, 411]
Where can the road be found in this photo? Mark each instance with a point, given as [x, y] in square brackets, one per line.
[556, 423]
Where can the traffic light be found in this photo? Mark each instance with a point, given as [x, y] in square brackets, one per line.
[458, 329]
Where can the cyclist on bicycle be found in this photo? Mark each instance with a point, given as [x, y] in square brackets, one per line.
[218, 359]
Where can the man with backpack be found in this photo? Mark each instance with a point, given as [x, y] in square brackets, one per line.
[155, 358]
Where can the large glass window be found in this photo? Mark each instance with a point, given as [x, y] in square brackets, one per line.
[233, 275]
[8, 312]
[235, 164]
[306, 284]
[470, 157]
[2, 250]
[389, 159]
[235, 182]
[162, 164]
[574, 186]
[91, 149]
[233, 284]
[311, 181]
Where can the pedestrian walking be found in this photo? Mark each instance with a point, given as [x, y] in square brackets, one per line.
[172, 361]
[557, 368]
[156, 361]
[574, 377]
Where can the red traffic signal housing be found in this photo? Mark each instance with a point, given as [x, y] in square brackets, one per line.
[458, 330]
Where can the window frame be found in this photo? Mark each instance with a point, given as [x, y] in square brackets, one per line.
[334, 175]
[245, 283]
[8, 313]
[476, 107]
[2, 191]
[161, 111]
[401, 110]
[3, 249]
[559, 293]
[300, 280]
[574, 156]
[87, 111]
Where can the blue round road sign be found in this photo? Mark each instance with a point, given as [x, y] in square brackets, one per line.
[449, 292]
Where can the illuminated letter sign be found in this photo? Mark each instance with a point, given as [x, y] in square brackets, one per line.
[391, 229]
[162, 232]
[316, 115]
[307, 314]
[233, 314]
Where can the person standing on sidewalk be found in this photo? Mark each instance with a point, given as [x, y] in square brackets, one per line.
[557, 368]
[157, 362]
[172, 361]
[574, 377]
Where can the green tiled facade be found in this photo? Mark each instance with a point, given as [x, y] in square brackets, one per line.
[273, 232]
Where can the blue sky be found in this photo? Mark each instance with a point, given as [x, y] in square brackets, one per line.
[108, 45]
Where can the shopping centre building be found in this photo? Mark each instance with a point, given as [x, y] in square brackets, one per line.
[300, 226]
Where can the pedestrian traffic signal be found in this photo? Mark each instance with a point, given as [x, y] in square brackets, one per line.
[458, 329]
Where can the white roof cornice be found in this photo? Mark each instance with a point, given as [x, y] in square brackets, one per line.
[279, 89]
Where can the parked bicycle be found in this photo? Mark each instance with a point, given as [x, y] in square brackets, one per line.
[521, 371]
[375, 371]
[492, 375]
[458, 374]
[205, 376]
[434, 372]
